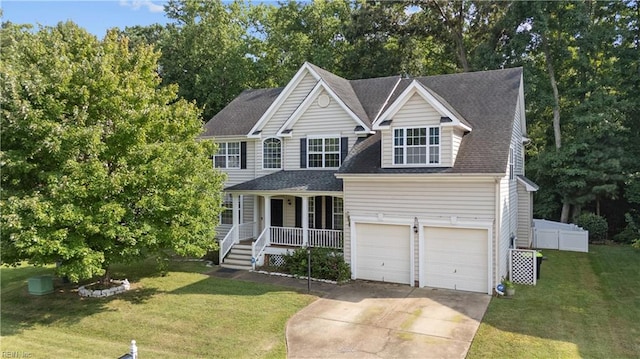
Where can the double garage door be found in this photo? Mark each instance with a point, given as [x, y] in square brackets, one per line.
[453, 258]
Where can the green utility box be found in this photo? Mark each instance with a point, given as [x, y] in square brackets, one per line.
[41, 285]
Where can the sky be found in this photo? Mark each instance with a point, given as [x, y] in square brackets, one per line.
[96, 16]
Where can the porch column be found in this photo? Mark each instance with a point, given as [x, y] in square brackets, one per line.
[256, 217]
[235, 200]
[267, 217]
[305, 220]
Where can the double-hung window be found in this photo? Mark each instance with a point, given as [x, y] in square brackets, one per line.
[226, 216]
[323, 152]
[312, 212]
[228, 155]
[419, 145]
[338, 216]
[272, 153]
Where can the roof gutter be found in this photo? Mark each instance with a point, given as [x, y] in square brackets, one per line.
[426, 176]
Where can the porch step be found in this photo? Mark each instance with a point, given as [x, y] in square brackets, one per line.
[239, 257]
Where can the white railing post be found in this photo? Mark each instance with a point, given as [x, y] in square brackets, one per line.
[256, 216]
[133, 350]
[305, 220]
[267, 216]
[235, 200]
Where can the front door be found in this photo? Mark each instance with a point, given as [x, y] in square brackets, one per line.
[276, 212]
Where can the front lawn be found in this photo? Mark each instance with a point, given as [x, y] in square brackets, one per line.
[586, 305]
[185, 314]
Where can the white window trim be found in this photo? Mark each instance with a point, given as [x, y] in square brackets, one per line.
[512, 165]
[226, 155]
[263, 154]
[311, 203]
[334, 213]
[324, 153]
[240, 209]
[404, 147]
[226, 196]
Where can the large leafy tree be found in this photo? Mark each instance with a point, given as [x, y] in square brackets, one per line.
[207, 51]
[99, 163]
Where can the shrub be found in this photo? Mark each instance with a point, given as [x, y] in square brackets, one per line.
[630, 233]
[326, 263]
[596, 225]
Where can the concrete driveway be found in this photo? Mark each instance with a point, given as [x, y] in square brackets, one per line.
[377, 320]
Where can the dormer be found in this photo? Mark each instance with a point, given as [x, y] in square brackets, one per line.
[420, 129]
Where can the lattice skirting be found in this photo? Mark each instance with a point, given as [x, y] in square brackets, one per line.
[522, 266]
[276, 260]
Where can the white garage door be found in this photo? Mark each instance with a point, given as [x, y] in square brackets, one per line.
[456, 258]
[382, 252]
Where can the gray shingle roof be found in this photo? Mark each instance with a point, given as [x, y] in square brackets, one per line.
[373, 93]
[485, 100]
[239, 116]
[343, 89]
[293, 181]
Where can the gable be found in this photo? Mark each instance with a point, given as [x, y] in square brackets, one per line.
[439, 104]
[322, 108]
[286, 103]
[416, 112]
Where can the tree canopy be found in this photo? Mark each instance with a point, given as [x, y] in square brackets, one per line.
[100, 164]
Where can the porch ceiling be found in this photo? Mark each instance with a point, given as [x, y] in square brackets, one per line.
[293, 181]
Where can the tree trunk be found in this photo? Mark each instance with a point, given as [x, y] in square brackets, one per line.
[106, 278]
[566, 211]
[456, 28]
[566, 206]
[556, 96]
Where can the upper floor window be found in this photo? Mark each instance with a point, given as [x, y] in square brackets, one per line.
[323, 152]
[272, 153]
[228, 155]
[420, 145]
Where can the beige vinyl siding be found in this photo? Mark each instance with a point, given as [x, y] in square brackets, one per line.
[456, 139]
[524, 217]
[517, 141]
[509, 198]
[332, 120]
[289, 106]
[289, 211]
[505, 228]
[409, 198]
[417, 112]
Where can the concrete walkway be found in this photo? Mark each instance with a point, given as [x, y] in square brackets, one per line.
[378, 320]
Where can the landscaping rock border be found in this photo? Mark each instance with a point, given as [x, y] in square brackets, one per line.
[101, 293]
[296, 276]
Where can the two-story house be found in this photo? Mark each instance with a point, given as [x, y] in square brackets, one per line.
[419, 180]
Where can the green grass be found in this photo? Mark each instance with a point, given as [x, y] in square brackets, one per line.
[585, 305]
[185, 314]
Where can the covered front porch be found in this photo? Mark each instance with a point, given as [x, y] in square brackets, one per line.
[282, 218]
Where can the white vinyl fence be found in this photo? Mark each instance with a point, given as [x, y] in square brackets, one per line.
[562, 236]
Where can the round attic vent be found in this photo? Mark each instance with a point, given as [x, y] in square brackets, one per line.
[323, 100]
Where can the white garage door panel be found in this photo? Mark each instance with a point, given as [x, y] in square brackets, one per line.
[456, 258]
[383, 252]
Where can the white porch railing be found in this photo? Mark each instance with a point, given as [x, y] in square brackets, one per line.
[286, 236]
[258, 247]
[236, 234]
[329, 238]
[289, 236]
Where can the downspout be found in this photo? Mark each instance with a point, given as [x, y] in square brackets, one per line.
[496, 249]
